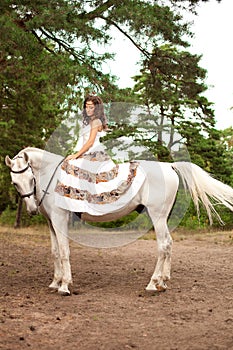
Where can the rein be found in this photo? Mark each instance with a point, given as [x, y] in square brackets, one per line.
[49, 183]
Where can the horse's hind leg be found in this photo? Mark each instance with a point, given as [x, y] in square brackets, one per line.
[163, 266]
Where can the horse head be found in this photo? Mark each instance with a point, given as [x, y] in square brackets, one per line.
[23, 179]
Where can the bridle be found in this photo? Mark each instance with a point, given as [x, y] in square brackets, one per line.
[33, 192]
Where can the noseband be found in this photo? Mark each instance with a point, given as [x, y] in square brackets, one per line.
[33, 192]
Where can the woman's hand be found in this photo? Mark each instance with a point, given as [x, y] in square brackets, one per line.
[72, 156]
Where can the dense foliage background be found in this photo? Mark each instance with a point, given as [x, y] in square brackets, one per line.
[52, 55]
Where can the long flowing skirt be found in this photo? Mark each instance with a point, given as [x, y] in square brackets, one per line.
[96, 185]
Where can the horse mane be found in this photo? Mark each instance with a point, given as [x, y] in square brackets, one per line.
[43, 155]
[31, 149]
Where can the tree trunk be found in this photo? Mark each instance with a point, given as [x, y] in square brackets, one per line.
[18, 214]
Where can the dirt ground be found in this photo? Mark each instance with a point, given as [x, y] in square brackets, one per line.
[109, 308]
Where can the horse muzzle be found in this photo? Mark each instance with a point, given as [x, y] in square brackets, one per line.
[31, 206]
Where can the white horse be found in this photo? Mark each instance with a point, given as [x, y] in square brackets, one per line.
[33, 172]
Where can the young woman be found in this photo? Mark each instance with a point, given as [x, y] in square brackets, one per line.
[95, 121]
[89, 180]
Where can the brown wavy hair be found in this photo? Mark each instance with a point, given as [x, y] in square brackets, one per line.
[99, 110]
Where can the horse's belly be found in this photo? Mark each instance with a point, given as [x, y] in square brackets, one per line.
[110, 216]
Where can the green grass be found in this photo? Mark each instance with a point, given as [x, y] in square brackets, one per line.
[39, 235]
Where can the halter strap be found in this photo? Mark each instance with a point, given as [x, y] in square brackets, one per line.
[34, 190]
[30, 193]
[21, 171]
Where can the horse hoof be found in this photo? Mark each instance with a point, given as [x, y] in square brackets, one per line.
[161, 288]
[64, 294]
[63, 291]
[151, 289]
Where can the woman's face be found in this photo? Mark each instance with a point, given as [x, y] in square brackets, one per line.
[90, 108]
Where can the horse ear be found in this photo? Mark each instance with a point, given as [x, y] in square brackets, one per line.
[26, 157]
[8, 161]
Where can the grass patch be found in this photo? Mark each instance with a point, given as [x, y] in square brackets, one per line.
[39, 234]
[211, 235]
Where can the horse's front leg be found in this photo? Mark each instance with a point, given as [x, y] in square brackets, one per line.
[65, 261]
[58, 272]
[163, 266]
[60, 226]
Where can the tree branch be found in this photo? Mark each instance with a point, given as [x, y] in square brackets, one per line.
[41, 42]
[146, 53]
[98, 11]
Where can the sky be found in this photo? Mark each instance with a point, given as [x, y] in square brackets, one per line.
[213, 30]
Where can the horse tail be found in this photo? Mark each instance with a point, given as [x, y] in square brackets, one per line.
[203, 187]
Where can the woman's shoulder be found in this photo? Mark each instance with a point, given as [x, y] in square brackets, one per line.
[96, 123]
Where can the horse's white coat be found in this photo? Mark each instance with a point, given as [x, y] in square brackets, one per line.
[157, 194]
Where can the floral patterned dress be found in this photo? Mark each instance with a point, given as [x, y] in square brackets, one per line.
[93, 183]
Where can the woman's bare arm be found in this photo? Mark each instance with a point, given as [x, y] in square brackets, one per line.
[95, 127]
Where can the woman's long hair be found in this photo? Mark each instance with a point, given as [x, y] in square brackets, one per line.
[99, 110]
